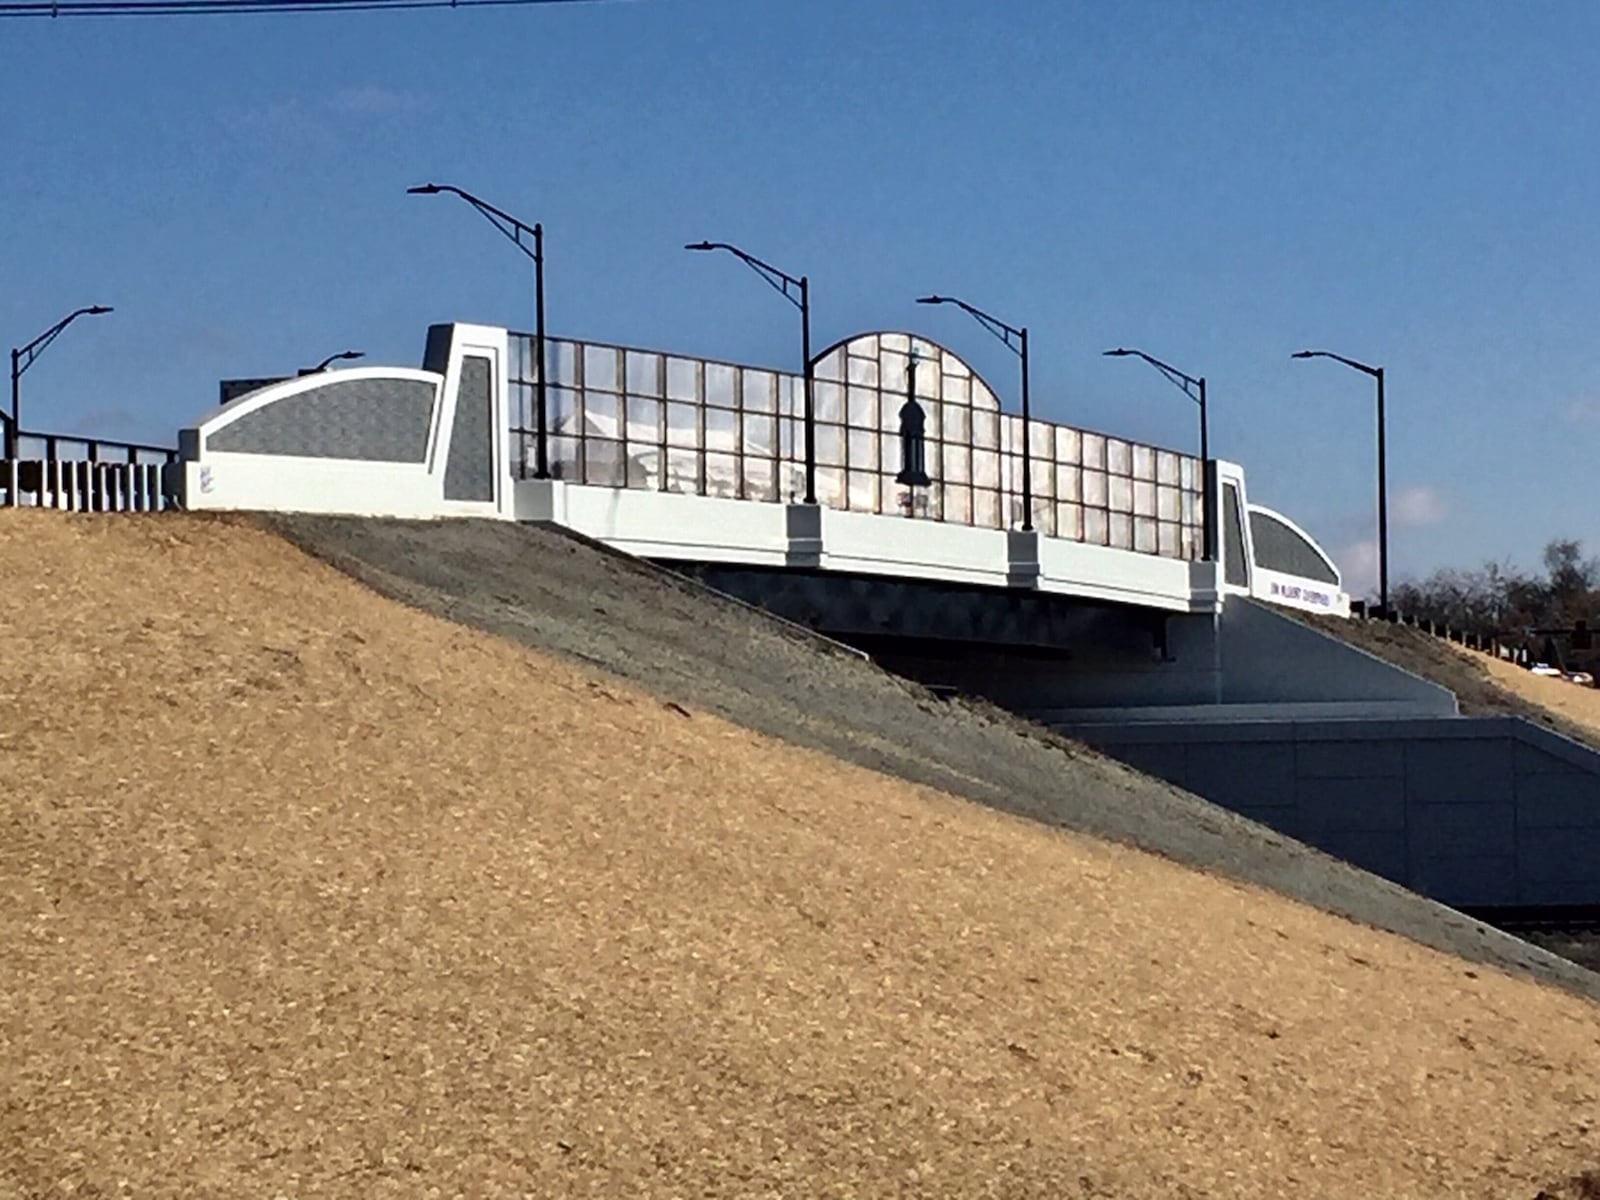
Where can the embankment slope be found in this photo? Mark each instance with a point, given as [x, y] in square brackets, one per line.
[552, 592]
[1484, 686]
[307, 893]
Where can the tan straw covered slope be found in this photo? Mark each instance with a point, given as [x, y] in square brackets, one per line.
[1580, 706]
[1483, 685]
[303, 893]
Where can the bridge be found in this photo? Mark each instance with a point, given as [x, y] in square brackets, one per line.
[1090, 608]
[687, 459]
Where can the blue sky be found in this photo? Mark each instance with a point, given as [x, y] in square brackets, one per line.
[1411, 185]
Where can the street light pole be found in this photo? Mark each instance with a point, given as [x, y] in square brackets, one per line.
[1027, 453]
[1383, 504]
[1383, 470]
[16, 405]
[808, 386]
[515, 230]
[1016, 340]
[1195, 389]
[541, 418]
[782, 282]
[23, 357]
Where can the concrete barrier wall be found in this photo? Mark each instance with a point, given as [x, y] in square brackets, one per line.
[661, 525]
[1268, 658]
[1473, 812]
[681, 528]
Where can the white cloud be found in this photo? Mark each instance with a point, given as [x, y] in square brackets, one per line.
[374, 100]
[1419, 505]
[301, 125]
[1583, 409]
[1358, 568]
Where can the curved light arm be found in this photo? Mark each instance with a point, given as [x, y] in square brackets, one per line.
[508, 225]
[23, 357]
[1187, 384]
[1008, 334]
[323, 365]
[781, 281]
[1349, 362]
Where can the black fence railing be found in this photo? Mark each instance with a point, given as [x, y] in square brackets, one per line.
[1511, 645]
[87, 474]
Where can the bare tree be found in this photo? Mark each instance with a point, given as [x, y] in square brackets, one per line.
[1500, 598]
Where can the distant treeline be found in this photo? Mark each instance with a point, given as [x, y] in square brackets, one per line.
[1499, 599]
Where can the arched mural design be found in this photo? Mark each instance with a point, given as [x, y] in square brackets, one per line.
[1282, 546]
[363, 419]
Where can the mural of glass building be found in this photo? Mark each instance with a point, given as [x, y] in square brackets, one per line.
[903, 426]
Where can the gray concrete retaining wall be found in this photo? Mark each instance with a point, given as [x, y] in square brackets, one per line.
[1270, 658]
[1473, 812]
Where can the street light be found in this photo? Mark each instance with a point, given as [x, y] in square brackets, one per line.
[22, 358]
[1195, 389]
[514, 230]
[800, 297]
[1383, 480]
[1016, 341]
[323, 365]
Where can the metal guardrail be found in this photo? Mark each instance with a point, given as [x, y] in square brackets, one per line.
[85, 474]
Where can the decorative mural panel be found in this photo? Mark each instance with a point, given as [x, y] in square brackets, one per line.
[1233, 557]
[373, 420]
[1280, 548]
[469, 470]
[902, 426]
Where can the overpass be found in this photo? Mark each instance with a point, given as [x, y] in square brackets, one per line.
[918, 469]
[1091, 609]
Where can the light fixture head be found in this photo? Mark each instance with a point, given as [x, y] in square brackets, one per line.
[424, 189]
[1305, 354]
[699, 246]
[97, 309]
[1119, 352]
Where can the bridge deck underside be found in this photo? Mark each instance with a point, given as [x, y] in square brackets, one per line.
[911, 612]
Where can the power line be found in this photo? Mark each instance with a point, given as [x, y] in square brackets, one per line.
[173, 8]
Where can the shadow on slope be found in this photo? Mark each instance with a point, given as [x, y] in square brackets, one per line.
[547, 589]
[308, 894]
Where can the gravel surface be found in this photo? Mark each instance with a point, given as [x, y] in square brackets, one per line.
[310, 894]
[547, 589]
[1581, 946]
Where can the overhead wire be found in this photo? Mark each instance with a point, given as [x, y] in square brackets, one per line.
[170, 8]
